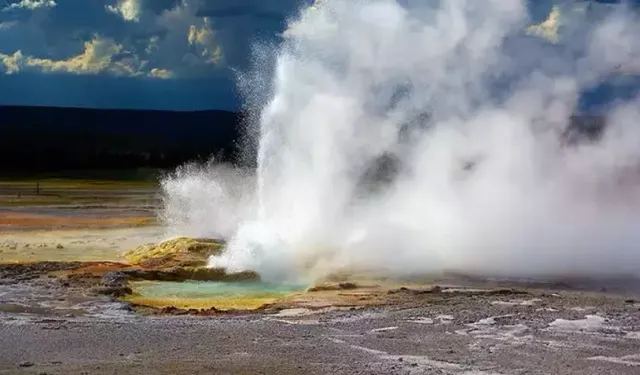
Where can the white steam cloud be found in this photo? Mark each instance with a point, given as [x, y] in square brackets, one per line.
[471, 109]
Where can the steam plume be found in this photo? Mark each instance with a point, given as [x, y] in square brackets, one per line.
[466, 111]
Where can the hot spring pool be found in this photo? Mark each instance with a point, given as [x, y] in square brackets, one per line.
[208, 294]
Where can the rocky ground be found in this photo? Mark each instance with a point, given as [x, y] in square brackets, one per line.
[444, 332]
[49, 325]
[66, 308]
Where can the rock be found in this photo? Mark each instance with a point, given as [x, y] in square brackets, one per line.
[114, 292]
[190, 273]
[434, 289]
[242, 276]
[347, 285]
[181, 251]
[113, 284]
[19, 270]
[59, 246]
[172, 310]
[126, 307]
[26, 364]
[504, 292]
[114, 279]
[332, 286]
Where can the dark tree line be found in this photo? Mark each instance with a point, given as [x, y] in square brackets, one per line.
[44, 139]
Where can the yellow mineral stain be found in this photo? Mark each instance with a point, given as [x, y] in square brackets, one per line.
[222, 303]
[179, 250]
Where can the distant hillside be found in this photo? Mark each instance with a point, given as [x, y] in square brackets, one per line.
[52, 138]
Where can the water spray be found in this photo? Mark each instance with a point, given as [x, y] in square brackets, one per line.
[456, 113]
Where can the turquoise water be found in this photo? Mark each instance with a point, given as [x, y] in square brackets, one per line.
[213, 289]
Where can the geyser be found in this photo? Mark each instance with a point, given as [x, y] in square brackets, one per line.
[470, 107]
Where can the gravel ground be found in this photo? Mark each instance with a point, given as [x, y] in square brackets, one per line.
[535, 333]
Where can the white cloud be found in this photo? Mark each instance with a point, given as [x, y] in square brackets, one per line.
[203, 39]
[99, 56]
[129, 10]
[161, 73]
[7, 25]
[30, 4]
[190, 40]
[12, 63]
[548, 29]
[178, 38]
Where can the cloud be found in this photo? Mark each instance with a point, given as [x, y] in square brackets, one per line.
[548, 29]
[7, 25]
[129, 10]
[240, 24]
[135, 10]
[177, 35]
[188, 38]
[98, 57]
[189, 41]
[148, 53]
[30, 4]
[203, 39]
[161, 73]
[184, 41]
[163, 39]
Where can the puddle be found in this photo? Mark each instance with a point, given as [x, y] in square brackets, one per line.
[208, 294]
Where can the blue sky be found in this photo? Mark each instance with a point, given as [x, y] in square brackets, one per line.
[159, 54]
[173, 54]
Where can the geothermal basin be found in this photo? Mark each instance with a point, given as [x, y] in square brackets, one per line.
[209, 294]
[157, 308]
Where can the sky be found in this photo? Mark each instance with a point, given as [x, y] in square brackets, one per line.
[152, 54]
[156, 54]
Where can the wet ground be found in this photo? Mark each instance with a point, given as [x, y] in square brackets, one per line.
[57, 325]
[65, 220]
[70, 204]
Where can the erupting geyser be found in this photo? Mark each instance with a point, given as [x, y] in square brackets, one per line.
[464, 107]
